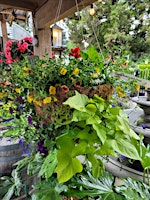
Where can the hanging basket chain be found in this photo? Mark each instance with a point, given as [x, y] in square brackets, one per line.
[93, 29]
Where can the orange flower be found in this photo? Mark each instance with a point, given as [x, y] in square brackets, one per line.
[113, 61]
[108, 58]
[125, 64]
[65, 88]
[78, 84]
[3, 84]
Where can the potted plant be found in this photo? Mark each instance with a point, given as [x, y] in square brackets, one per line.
[63, 107]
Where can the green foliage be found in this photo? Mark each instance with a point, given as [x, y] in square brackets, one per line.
[85, 185]
[48, 190]
[92, 133]
[10, 186]
[122, 28]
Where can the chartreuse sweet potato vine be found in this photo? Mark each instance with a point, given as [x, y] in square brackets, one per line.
[96, 129]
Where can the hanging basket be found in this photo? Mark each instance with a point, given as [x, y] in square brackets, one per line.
[46, 111]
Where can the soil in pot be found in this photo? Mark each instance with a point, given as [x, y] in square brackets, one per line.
[136, 165]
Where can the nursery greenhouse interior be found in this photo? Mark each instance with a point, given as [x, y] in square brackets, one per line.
[74, 100]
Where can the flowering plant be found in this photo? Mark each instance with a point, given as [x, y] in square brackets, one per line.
[15, 50]
[65, 109]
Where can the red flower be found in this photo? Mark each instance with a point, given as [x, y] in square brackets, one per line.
[9, 61]
[9, 43]
[1, 61]
[3, 84]
[75, 52]
[22, 47]
[7, 51]
[28, 39]
[65, 88]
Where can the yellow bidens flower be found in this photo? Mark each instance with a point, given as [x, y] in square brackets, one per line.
[76, 71]
[137, 87]
[38, 102]
[1, 95]
[63, 71]
[52, 90]
[54, 99]
[118, 88]
[47, 100]
[43, 65]
[121, 94]
[25, 74]
[26, 69]
[97, 70]
[94, 75]
[30, 99]
[18, 90]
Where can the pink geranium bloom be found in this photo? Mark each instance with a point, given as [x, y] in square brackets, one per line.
[9, 43]
[1, 61]
[7, 51]
[22, 47]
[28, 39]
[9, 61]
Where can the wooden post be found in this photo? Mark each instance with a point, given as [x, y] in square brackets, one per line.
[4, 32]
[44, 43]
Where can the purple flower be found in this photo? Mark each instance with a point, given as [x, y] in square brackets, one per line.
[42, 149]
[27, 151]
[37, 126]
[11, 110]
[123, 157]
[20, 107]
[20, 99]
[113, 106]
[120, 104]
[29, 120]
[143, 126]
[21, 143]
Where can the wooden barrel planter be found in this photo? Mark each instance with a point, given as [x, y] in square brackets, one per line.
[10, 153]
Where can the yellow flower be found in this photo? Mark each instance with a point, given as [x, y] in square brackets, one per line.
[30, 99]
[38, 102]
[137, 87]
[47, 100]
[146, 87]
[26, 69]
[94, 75]
[63, 71]
[121, 94]
[76, 71]
[97, 70]
[1, 95]
[55, 99]
[25, 74]
[118, 89]
[52, 90]
[43, 65]
[18, 90]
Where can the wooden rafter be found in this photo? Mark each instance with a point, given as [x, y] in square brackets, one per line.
[20, 4]
[46, 15]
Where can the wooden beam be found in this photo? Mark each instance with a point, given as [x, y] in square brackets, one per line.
[19, 4]
[44, 43]
[4, 33]
[47, 14]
